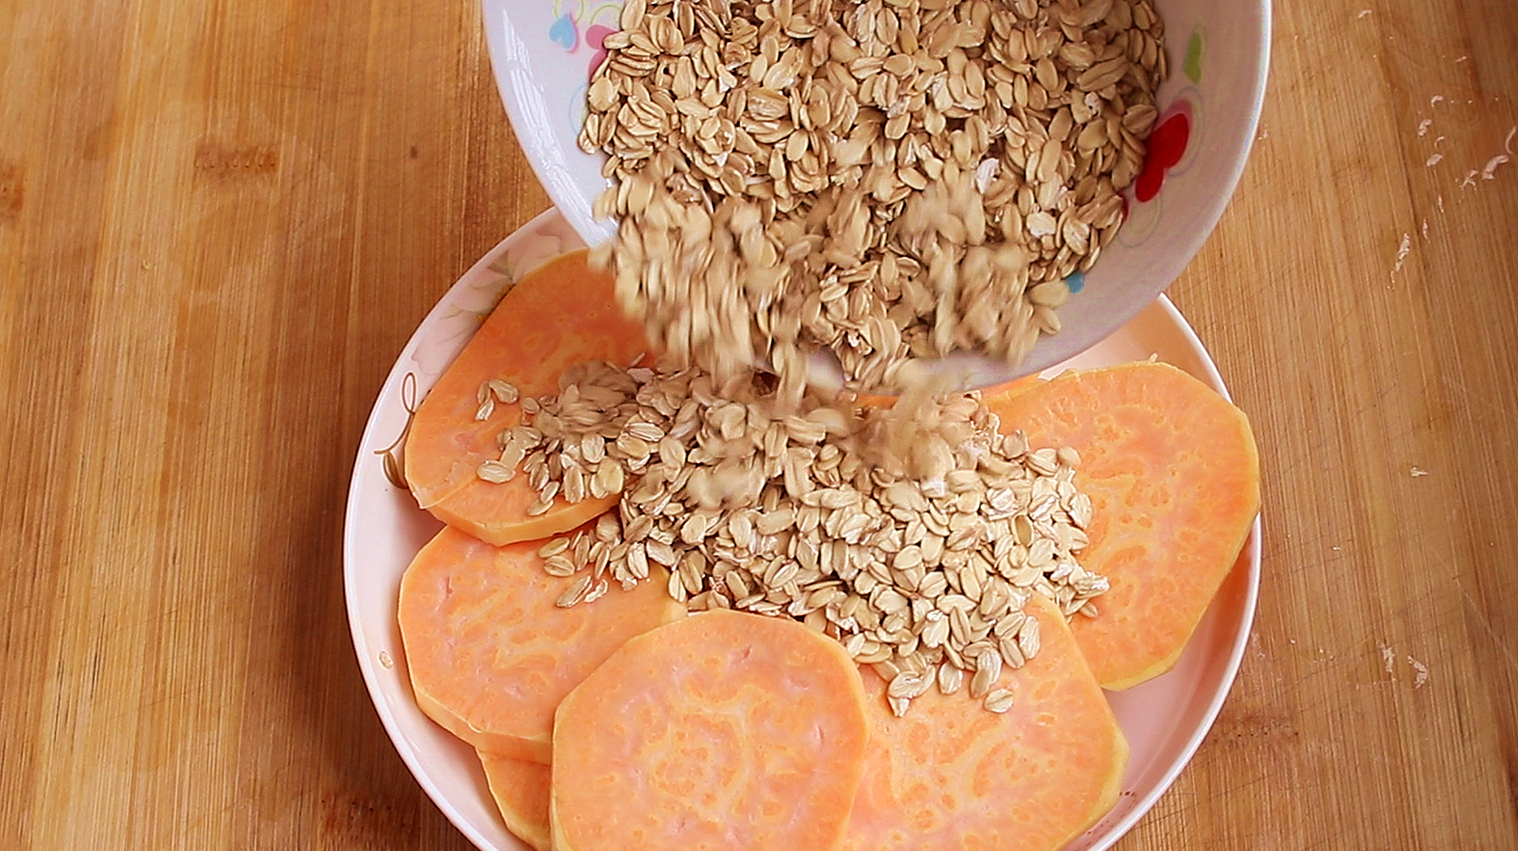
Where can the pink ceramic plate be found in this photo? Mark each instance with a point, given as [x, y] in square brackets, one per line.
[1164, 719]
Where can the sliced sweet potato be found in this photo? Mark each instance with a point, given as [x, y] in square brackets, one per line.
[723, 731]
[1174, 479]
[951, 774]
[489, 652]
[520, 790]
[1016, 385]
[559, 315]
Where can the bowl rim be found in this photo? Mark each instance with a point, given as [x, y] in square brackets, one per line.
[1043, 357]
[527, 113]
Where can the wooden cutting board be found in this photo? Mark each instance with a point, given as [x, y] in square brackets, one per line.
[220, 221]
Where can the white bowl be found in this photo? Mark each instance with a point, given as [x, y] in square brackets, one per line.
[543, 54]
[1164, 719]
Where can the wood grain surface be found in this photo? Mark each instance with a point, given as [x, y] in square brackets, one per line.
[220, 221]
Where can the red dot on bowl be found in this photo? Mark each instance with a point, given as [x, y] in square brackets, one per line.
[1167, 144]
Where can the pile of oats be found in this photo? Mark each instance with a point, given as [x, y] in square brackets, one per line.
[886, 180]
[913, 537]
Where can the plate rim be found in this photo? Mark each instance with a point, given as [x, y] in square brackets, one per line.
[366, 656]
[1249, 556]
[541, 225]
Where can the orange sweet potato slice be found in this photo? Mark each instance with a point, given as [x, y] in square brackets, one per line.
[489, 652]
[557, 316]
[520, 790]
[1174, 479]
[1016, 385]
[951, 774]
[725, 731]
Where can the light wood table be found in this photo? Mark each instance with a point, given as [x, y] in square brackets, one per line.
[220, 221]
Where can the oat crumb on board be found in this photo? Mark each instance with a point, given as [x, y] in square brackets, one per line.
[1420, 672]
[1403, 248]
